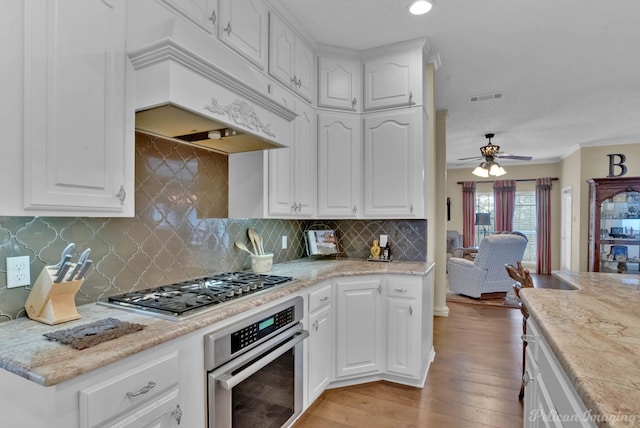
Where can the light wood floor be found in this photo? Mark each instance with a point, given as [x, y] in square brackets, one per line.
[473, 382]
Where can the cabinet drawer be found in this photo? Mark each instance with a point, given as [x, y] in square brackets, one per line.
[319, 297]
[403, 287]
[127, 390]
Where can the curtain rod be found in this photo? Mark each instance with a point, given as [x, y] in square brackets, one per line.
[518, 179]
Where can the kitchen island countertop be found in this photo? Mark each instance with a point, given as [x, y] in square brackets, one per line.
[594, 331]
[25, 351]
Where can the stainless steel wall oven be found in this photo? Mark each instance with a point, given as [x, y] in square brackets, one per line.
[254, 369]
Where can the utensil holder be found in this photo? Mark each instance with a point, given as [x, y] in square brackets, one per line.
[53, 303]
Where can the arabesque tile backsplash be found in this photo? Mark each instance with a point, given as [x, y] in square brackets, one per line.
[178, 231]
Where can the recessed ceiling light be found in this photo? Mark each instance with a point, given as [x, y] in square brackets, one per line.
[420, 7]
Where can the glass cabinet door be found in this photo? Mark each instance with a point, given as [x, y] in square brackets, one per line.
[620, 233]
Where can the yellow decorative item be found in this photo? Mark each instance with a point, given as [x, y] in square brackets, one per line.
[375, 249]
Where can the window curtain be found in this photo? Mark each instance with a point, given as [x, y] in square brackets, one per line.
[504, 196]
[468, 213]
[543, 232]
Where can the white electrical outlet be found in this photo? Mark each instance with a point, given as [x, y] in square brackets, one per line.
[18, 273]
[284, 242]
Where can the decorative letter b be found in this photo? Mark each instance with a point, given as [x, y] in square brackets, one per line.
[620, 163]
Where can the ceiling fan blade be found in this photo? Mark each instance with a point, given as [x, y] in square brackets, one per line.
[508, 156]
[472, 158]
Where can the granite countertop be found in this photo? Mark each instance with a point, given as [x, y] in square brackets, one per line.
[25, 352]
[594, 332]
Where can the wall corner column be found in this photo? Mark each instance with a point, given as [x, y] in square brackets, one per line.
[440, 307]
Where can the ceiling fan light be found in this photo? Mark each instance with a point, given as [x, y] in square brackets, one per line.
[480, 171]
[496, 170]
[420, 7]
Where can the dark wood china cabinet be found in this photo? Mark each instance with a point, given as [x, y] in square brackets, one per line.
[614, 224]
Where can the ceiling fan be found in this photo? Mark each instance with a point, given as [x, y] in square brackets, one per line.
[489, 153]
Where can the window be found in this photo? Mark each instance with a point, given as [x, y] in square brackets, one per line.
[524, 219]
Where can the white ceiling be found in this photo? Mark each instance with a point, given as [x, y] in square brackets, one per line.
[569, 70]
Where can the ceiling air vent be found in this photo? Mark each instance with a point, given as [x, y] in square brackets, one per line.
[485, 97]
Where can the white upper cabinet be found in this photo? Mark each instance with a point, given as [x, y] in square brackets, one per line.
[393, 79]
[393, 164]
[244, 27]
[203, 13]
[339, 165]
[339, 83]
[78, 124]
[291, 61]
[292, 171]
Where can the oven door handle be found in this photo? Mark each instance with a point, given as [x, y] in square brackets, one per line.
[229, 381]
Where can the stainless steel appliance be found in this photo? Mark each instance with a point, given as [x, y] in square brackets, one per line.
[181, 300]
[254, 369]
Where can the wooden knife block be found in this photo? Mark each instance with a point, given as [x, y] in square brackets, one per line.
[53, 303]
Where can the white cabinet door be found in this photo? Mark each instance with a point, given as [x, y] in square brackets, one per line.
[359, 324]
[393, 80]
[78, 131]
[339, 165]
[161, 412]
[281, 51]
[402, 348]
[305, 168]
[203, 13]
[538, 406]
[393, 167]
[290, 59]
[339, 83]
[320, 351]
[244, 26]
[292, 172]
[303, 66]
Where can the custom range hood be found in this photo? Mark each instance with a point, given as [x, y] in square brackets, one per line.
[181, 125]
[191, 89]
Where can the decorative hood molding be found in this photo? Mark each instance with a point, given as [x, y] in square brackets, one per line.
[183, 96]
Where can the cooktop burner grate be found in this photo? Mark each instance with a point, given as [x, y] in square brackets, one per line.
[189, 296]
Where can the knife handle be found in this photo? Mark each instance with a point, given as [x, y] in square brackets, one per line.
[83, 270]
[65, 260]
[63, 272]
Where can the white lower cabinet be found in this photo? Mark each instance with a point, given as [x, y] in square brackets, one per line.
[163, 387]
[320, 342]
[403, 315]
[358, 326]
[550, 399]
[145, 395]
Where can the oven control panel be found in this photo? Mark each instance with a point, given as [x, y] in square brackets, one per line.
[252, 333]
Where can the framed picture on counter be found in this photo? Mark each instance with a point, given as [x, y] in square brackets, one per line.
[321, 242]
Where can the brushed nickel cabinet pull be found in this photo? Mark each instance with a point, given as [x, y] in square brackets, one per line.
[212, 18]
[177, 413]
[122, 195]
[148, 387]
[227, 29]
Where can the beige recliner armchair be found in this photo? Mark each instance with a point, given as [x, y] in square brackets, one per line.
[486, 276]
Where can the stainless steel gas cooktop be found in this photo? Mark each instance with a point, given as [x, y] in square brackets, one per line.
[180, 300]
